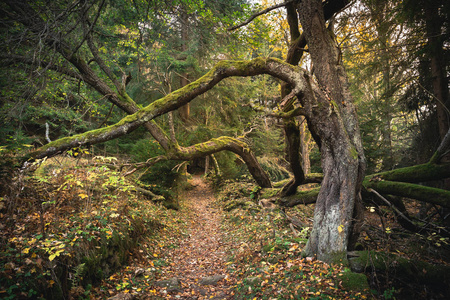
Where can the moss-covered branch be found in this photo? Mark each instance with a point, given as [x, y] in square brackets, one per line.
[175, 100]
[225, 143]
[300, 197]
[399, 182]
[411, 190]
[414, 174]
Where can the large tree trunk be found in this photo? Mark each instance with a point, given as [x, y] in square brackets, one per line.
[337, 129]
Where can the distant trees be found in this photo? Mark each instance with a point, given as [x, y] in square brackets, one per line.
[388, 50]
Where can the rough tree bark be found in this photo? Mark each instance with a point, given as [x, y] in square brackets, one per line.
[340, 143]
[295, 136]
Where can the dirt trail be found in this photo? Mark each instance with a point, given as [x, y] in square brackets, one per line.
[202, 255]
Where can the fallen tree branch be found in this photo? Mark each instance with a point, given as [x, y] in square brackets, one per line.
[150, 194]
[412, 191]
[413, 174]
[399, 213]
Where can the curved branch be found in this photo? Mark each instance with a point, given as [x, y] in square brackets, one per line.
[255, 15]
[226, 143]
[32, 20]
[179, 98]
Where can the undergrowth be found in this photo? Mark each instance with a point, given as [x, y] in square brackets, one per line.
[71, 224]
[266, 256]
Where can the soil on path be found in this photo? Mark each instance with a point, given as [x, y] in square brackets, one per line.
[199, 263]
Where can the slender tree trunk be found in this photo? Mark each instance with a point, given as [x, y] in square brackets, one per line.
[438, 74]
[304, 144]
[185, 110]
[291, 129]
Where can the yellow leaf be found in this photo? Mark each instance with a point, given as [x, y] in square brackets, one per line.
[51, 257]
[155, 255]
[341, 228]
[83, 196]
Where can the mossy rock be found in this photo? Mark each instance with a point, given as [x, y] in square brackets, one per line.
[354, 281]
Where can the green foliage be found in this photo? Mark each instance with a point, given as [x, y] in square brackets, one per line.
[81, 221]
[162, 173]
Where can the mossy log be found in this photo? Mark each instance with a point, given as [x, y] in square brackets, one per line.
[300, 197]
[149, 194]
[414, 174]
[399, 182]
[408, 270]
[411, 190]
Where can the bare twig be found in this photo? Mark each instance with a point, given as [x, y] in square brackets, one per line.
[390, 205]
[255, 15]
[88, 31]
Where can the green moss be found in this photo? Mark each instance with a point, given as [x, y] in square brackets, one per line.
[411, 190]
[269, 193]
[281, 183]
[354, 281]
[242, 204]
[418, 173]
[337, 257]
[301, 197]
[408, 270]
[334, 104]
[353, 153]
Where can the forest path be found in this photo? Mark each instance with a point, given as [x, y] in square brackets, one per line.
[197, 267]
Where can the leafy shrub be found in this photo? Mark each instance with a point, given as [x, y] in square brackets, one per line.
[75, 222]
